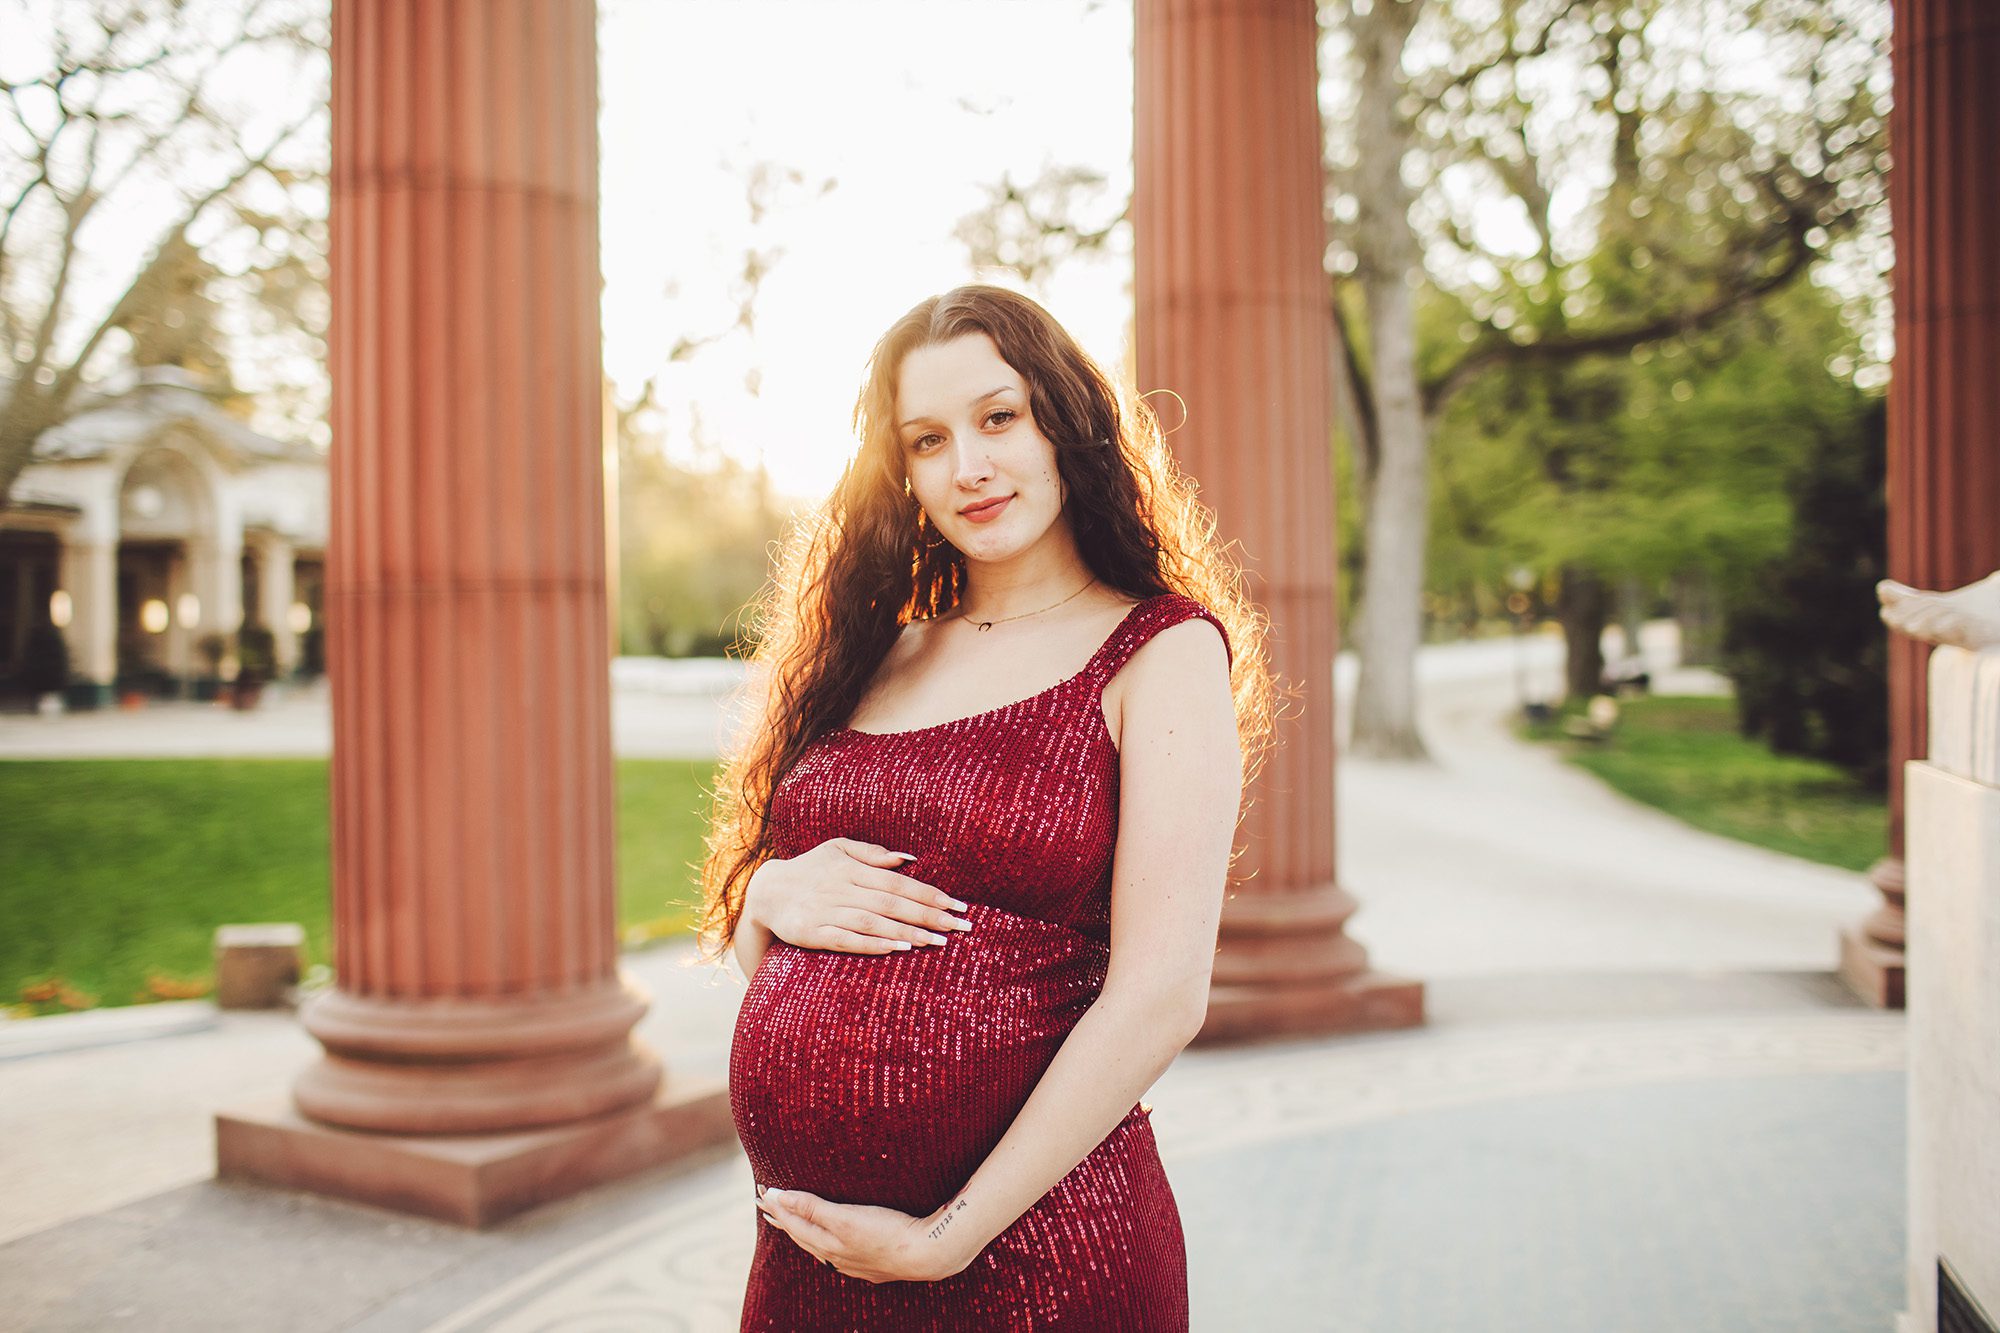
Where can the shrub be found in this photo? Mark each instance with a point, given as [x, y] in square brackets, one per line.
[44, 660]
[1802, 636]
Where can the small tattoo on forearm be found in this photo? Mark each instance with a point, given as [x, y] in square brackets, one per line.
[945, 1221]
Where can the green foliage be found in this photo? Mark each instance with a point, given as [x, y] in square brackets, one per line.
[694, 550]
[256, 654]
[312, 652]
[1684, 756]
[1670, 459]
[116, 872]
[44, 660]
[1803, 639]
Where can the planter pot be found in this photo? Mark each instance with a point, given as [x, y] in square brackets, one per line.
[246, 694]
[131, 700]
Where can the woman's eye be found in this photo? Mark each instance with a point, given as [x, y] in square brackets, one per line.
[1003, 415]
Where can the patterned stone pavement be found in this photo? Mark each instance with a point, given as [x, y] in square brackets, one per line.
[1726, 1171]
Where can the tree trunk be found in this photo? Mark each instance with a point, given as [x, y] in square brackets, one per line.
[1390, 617]
[1700, 621]
[1635, 597]
[1582, 607]
[1397, 509]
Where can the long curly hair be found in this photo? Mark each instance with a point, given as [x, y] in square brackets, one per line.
[856, 568]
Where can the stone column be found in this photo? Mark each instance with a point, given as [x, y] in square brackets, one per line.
[1944, 419]
[177, 654]
[478, 1049]
[90, 576]
[215, 576]
[274, 599]
[1234, 316]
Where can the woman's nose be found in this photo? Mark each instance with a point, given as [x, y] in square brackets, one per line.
[974, 465]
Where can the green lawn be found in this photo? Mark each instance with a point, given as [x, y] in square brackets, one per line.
[115, 873]
[1683, 755]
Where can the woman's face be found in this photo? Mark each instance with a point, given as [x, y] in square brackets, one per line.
[966, 437]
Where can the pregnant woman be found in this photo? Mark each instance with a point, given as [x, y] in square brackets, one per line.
[972, 854]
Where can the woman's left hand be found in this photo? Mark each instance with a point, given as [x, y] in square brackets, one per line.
[864, 1241]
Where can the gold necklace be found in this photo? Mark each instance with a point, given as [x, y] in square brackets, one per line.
[985, 625]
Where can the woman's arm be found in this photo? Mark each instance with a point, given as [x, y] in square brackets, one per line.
[1181, 783]
[752, 936]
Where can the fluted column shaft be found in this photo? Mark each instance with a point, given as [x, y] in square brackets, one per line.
[1944, 416]
[475, 939]
[1234, 317]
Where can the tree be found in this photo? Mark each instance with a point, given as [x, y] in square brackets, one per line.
[1804, 643]
[140, 174]
[695, 536]
[1694, 190]
[694, 540]
[1682, 468]
[1575, 179]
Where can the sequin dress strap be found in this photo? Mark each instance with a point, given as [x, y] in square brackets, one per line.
[1145, 620]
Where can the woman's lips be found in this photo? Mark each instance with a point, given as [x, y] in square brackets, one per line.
[987, 514]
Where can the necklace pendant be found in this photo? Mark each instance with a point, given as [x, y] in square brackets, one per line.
[985, 625]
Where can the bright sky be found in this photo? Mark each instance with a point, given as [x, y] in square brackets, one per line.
[911, 109]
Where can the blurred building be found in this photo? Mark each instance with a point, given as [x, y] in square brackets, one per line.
[151, 519]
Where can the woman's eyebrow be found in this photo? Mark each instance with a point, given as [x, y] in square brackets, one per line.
[990, 393]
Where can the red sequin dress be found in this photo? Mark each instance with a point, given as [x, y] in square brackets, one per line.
[887, 1078]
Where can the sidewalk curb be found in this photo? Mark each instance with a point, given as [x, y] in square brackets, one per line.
[21, 1038]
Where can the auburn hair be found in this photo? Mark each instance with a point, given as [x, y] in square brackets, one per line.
[857, 567]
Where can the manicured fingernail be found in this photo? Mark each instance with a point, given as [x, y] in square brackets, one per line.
[907, 856]
[957, 906]
[957, 924]
[900, 944]
[774, 1194]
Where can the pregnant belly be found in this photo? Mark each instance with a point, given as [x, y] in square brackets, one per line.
[887, 1078]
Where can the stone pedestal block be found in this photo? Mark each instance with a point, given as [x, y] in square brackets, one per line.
[472, 1180]
[1953, 831]
[256, 964]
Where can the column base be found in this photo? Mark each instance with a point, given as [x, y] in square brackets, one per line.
[484, 1064]
[1871, 969]
[473, 1180]
[1366, 1001]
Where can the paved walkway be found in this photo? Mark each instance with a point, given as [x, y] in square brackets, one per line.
[1642, 1102]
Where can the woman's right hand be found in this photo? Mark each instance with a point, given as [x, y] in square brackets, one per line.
[842, 896]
